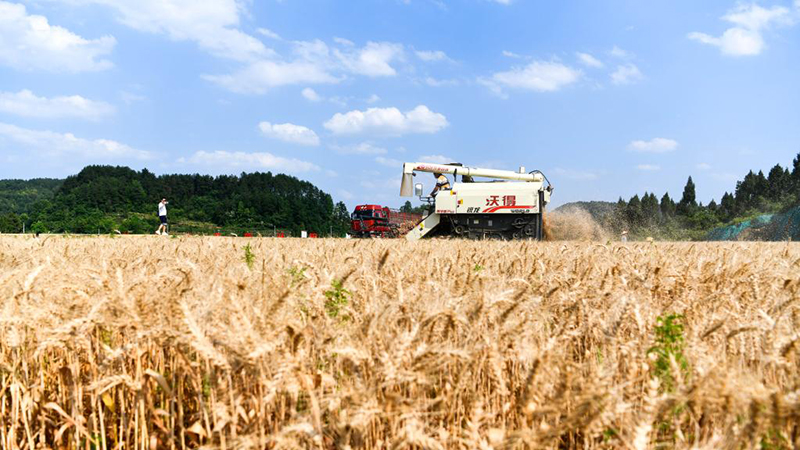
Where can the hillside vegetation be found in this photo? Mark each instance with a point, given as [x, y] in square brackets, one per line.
[104, 198]
[755, 195]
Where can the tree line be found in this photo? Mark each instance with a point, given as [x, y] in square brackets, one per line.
[755, 194]
[105, 198]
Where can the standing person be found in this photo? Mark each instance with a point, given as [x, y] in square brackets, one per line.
[441, 183]
[162, 216]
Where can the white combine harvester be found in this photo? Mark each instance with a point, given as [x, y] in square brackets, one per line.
[512, 209]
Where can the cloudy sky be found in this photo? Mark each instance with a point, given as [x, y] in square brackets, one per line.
[608, 98]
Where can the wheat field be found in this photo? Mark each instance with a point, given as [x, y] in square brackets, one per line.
[188, 342]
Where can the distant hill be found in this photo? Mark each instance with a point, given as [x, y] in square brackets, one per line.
[19, 196]
[599, 210]
[101, 199]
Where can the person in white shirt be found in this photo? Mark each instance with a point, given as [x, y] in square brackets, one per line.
[162, 216]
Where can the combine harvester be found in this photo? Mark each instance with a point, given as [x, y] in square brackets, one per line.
[512, 209]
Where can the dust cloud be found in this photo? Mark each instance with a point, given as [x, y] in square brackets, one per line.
[573, 225]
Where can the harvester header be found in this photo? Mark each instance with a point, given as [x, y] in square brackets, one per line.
[407, 185]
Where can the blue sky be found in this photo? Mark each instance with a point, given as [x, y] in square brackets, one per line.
[608, 98]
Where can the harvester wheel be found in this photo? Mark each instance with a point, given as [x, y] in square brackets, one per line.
[530, 230]
[519, 222]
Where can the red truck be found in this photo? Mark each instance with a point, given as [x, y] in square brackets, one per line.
[381, 221]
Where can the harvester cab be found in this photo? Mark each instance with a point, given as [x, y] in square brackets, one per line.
[509, 205]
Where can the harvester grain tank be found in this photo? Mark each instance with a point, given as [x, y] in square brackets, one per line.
[510, 205]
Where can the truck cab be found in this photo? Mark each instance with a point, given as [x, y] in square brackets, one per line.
[380, 221]
[370, 221]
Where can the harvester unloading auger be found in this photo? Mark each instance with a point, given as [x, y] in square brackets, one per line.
[508, 209]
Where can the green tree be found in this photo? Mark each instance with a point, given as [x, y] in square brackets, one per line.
[341, 219]
[727, 207]
[406, 208]
[667, 207]
[633, 212]
[650, 210]
[779, 181]
[136, 225]
[795, 183]
[751, 192]
[688, 202]
[10, 223]
[712, 206]
[619, 221]
[38, 227]
[702, 219]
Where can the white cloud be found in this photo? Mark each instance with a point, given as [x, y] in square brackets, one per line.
[288, 132]
[754, 17]
[212, 24]
[313, 63]
[380, 184]
[343, 41]
[429, 56]
[262, 76]
[268, 33]
[339, 101]
[389, 162]
[56, 145]
[314, 51]
[364, 148]
[347, 195]
[375, 99]
[589, 60]
[387, 122]
[626, 74]
[509, 54]
[539, 76]
[311, 95]
[250, 161]
[577, 175]
[734, 41]
[705, 166]
[745, 37]
[648, 167]
[430, 81]
[26, 104]
[373, 60]
[502, 2]
[435, 159]
[655, 145]
[619, 53]
[130, 98]
[29, 42]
